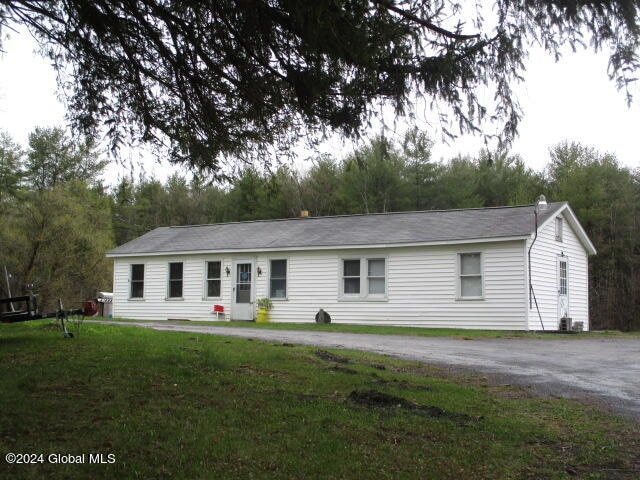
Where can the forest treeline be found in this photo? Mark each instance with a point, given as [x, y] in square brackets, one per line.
[57, 218]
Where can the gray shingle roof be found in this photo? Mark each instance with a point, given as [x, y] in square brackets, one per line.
[348, 230]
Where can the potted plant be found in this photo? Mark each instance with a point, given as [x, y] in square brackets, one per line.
[264, 305]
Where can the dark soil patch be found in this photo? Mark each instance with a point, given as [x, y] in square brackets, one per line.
[375, 398]
[377, 366]
[264, 372]
[338, 368]
[331, 357]
[403, 384]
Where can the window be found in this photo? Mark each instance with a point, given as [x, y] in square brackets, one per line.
[559, 229]
[213, 279]
[175, 280]
[351, 277]
[137, 281]
[470, 275]
[364, 278]
[563, 278]
[376, 276]
[278, 279]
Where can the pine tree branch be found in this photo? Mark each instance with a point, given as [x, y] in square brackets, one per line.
[422, 22]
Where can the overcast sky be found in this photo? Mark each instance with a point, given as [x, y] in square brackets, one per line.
[571, 100]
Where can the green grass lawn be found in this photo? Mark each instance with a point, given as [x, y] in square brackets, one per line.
[398, 330]
[183, 405]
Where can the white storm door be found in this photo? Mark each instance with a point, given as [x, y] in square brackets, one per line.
[243, 289]
[563, 287]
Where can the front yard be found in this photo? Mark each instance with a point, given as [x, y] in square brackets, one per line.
[182, 405]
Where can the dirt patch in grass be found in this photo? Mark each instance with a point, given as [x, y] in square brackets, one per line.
[377, 366]
[265, 372]
[375, 398]
[347, 370]
[331, 357]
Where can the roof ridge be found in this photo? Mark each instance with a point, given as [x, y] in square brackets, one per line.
[265, 220]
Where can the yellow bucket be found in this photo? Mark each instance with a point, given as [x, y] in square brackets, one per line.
[262, 315]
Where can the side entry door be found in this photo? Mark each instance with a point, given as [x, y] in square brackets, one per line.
[563, 287]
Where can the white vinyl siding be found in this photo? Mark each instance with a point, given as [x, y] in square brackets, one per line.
[545, 257]
[420, 288]
[155, 306]
[420, 285]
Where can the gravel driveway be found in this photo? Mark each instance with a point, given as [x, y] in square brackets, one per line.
[603, 369]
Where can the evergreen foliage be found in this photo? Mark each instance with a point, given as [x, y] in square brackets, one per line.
[55, 222]
[214, 79]
[56, 236]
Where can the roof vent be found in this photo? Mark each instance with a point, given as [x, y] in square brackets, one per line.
[304, 213]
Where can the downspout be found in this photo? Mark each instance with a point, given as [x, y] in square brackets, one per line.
[532, 294]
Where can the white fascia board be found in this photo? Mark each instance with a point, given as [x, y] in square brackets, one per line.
[330, 247]
[575, 224]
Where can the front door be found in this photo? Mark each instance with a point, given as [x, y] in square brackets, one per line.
[563, 287]
[242, 304]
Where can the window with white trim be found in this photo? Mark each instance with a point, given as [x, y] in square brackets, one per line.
[470, 275]
[137, 281]
[364, 278]
[559, 228]
[351, 277]
[278, 279]
[376, 277]
[214, 280]
[175, 279]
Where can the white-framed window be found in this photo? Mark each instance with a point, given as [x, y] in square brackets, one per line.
[278, 278]
[137, 281]
[214, 279]
[559, 228]
[351, 276]
[376, 276]
[363, 278]
[175, 279]
[470, 282]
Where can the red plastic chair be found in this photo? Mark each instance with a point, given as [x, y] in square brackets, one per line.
[218, 309]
